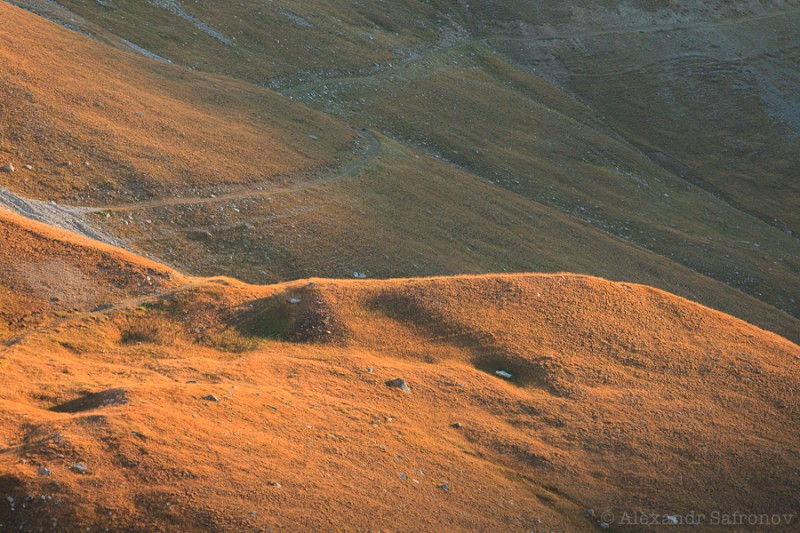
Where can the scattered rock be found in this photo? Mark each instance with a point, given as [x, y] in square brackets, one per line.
[504, 374]
[445, 487]
[369, 370]
[192, 381]
[78, 468]
[456, 425]
[604, 525]
[44, 471]
[8, 167]
[275, 484]
[359, 275]
[399, 383]
[403, 476]
[199, 235]
[272, 407]
[313, 137]
[294, 300]
[589, 513]
[210, 398]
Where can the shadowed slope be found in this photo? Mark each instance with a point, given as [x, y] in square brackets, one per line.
[710, 90]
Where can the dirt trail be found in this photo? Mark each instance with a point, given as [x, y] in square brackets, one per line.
[389, 70]
[101, 310]
[255, 190]
[74, 218]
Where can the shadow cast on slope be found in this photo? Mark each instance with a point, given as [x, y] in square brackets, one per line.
[482, 349]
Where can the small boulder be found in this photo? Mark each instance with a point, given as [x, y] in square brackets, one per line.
[456, 425]
[398, 383]
[44, 471]
[8, 167]
[294, 300]
[210, 398]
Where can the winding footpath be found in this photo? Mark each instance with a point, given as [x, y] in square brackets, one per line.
[75, 218]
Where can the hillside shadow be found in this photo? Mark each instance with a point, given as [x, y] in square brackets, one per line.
[19, 511]
[91, 401]
[269, 318]
[298, 315]
[483, 351]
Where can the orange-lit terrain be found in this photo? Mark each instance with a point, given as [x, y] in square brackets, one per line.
[144, 387]
[100, 126]
[621, 397]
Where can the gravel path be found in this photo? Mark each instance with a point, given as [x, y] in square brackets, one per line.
[62, 216]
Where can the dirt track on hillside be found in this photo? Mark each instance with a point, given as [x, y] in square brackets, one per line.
[256, 190]
[74, 218]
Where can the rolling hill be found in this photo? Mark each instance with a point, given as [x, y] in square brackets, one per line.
[208, 404]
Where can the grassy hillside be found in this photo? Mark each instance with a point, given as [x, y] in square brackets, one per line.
[402, 215]
[98, 125]
[473, 110]
[712, 95]
[265, 42]
[527, 177]
[108, 416]
[48, 273]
